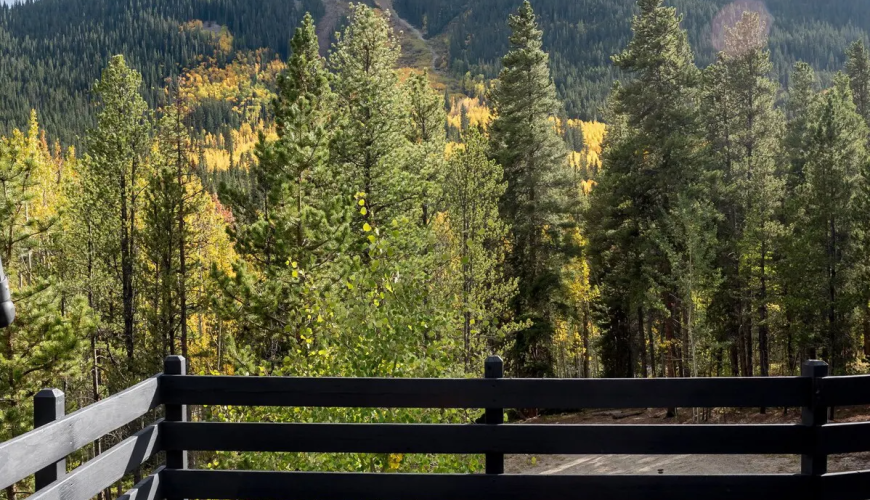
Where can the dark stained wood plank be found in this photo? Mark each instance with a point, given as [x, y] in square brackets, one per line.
[482, 393]
[149, 488]
[846, 391]
[845, 486]
[49, 405]
[93, 476]
[815, 415]
[493, 368]
[28, 453]
[175, 366]
[336, 486]
[479, 438]
[845, 438]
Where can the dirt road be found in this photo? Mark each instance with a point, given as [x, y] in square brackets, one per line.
[387, 5]
[679, 464]
[652, 464]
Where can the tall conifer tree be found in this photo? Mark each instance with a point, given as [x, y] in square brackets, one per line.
[744, 131]
[830, 222]
[117, 164]
[473, 188]
[858, 69]
[525, 142]
[291, 224]
[651, 178]
[371, 144]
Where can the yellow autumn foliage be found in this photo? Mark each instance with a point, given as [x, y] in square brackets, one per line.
[245, 83]
[215, 150]
[478, 113]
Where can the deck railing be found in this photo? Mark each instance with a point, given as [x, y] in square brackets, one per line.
[42, 451]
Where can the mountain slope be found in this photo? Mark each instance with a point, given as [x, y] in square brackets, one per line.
[53, 50]
[581, 35]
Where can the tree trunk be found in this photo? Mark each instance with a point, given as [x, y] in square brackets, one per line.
[182, 240]
[641, 336]
[750, 358]
[586, 341]
[789, 340]
[763, 329]
[763, 347]
[652, 346]
[866, 325]
[632, 346]
[832, 312]
[127, 270]
[685, 343]
[670, 368]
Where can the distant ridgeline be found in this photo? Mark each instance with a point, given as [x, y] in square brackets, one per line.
[54, 50]
[581, 35]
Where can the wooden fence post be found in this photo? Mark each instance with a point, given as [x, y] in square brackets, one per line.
[175, 366]
[48, 406]
[815, 464]
[494, 368]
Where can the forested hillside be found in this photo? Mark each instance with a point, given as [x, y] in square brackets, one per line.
[581, 36]
[54, 50]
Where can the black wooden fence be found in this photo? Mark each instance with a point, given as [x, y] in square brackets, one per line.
[42, 452]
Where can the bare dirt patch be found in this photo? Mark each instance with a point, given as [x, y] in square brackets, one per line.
[335, 10]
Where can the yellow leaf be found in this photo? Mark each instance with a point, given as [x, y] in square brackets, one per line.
[362, 203]
[363, 211]
[366, 227]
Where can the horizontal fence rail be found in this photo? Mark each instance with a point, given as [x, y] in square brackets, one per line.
[149, 488]
[845, 438]
[50, 443]
[844, 486]
[846, 391]
[470, 439]
[88, 480]
[482, 393]
[337, 486]
[43, 450]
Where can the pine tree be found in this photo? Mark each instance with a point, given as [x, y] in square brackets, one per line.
[291, 225]
[524, 141]
[858, 69]
[115, 167]
[744, 131]
[371, 143]
[830, 224]
[802, 97]
[651, 178]
[473, 188]
[800, 108]
[173, 198]
[428, 135]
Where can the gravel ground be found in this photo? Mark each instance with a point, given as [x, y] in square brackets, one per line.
[679, 464]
